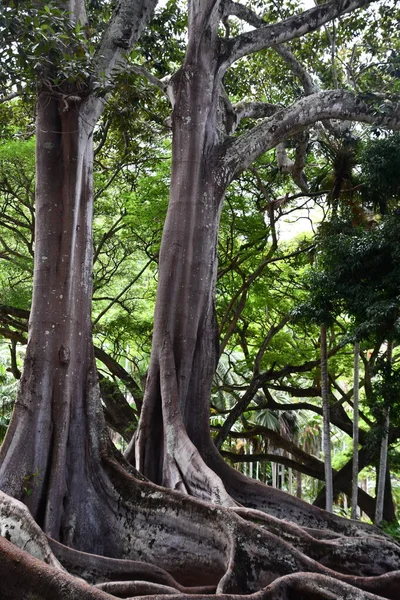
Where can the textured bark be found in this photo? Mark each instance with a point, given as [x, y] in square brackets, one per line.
[23, 577]
[380, 488]
[29, 578]
[185, 348]
[380, 494]
[236, 550]
[296, 26]
[173, 446]
[51, 415]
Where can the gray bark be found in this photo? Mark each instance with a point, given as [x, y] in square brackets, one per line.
[289, 29]
[84, 495]
[336, 104]
[184, 344]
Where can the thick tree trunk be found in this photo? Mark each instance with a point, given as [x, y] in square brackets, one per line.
[185, 340]
[56, 442]
[173, 446]
[58, 407]
[67, 472]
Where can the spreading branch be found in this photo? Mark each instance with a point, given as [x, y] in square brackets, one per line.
[296, 26]
[129, 19]
[337, 104]
[253, 110]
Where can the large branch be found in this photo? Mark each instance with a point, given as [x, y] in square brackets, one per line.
[129, 19]
[337, 104]
[296, 26]
[252, 110]
[246, 14]
[303, 463]
[235, 458]
[125, 27]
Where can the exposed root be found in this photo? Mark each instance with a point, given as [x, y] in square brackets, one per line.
[18, 526]
[308, 586]
[124, 589]
[183, 542]
[183, 467]
[250, 556]
[340, 553]
[97, 569]
[253, 494]
[23, 576]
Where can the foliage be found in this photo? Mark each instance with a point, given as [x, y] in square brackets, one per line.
[386, 388]
[380, 165]
[392, 529]
[357, 272]
[49, 46]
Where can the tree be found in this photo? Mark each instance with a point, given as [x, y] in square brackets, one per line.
[354, 487]
[325, 410]
[380, 488]
[184, 344]
[59, 377]
[234, 549]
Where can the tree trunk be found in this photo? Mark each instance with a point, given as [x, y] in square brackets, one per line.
[185, 340]
[354, 488]
[380, 490]
[325, 409]
[381, 471]
[172, 445]
[299, 485]
[56, 442]
[57, 405]
[51, 456]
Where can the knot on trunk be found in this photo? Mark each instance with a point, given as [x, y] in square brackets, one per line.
[64, 354]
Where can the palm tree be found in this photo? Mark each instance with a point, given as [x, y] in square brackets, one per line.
[354, 488]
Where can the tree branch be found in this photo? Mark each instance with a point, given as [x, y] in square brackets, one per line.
[296, 26]
[9, 97]
[235, 9]
[129, 19]
[276, 458]
[297, 69]
[253, 110]
[295, 167]
[337, 104]
[127, 23]
[161, 84]
[126, 288]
